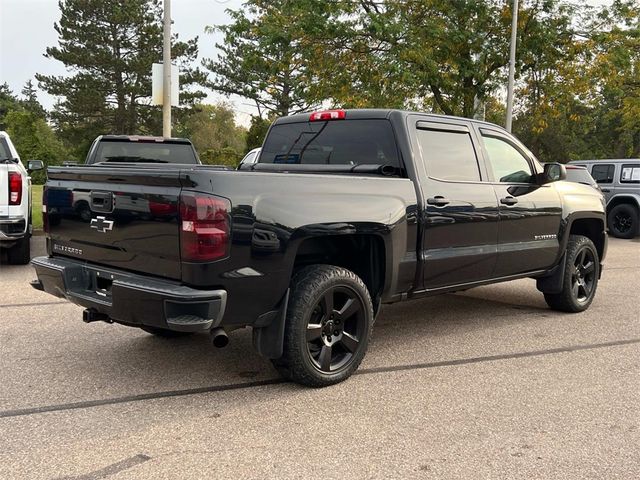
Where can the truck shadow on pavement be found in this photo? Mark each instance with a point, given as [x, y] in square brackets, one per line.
[410, 329]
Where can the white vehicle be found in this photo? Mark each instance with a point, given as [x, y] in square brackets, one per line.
[15, 202]
[250, 158]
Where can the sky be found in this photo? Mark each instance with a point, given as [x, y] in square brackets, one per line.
[26, 30]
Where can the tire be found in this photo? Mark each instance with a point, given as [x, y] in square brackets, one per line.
[20, 253]
[328, 325]
[580, 277]
[623, 221]
[164, 332]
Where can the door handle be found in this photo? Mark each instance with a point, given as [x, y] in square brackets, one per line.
[606, 190]
[508, 201]
[438, 201]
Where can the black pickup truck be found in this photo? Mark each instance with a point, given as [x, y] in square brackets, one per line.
[345, 210]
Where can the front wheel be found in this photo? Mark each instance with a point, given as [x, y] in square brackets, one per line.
[328, 326]
[623, 221]
[581, 273]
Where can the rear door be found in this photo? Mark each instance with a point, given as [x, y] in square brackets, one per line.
[460, 217]
[530, 214]
[124, 217]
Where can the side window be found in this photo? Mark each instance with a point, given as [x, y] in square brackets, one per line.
[603, 173]
[449, 155]
[506, 161]
[630, 174]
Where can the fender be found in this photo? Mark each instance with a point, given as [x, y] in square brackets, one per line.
[565, 228]
[634, 197]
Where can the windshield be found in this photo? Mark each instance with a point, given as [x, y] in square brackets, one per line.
[342, 142]
[580, 175]
[144, 152]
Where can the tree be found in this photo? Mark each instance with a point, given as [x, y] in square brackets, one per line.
[262, 58]
[8, 102]
[110, 45]
[30, 101]
[214, 133]
[257, 131]
[34, 139]
[616, 61]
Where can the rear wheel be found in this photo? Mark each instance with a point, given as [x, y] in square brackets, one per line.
[20, 253]
[164, 332]
[623, 221]
[581, 273]
[328, 326]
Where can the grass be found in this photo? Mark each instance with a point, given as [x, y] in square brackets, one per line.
[36, 206]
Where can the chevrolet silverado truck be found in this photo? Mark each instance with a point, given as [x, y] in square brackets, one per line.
[16, 224]
[344, 210]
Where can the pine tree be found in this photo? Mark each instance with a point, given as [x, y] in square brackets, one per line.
[110, 45]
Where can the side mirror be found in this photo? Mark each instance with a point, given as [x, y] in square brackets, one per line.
[554, 172]
[33, 165]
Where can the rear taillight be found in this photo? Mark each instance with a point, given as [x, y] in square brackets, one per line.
[205, 227]
[15, 188]
[328, 115]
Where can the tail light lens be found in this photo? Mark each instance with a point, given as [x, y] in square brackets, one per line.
[15, 188]
[205, 227]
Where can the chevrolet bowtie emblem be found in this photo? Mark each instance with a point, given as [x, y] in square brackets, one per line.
[101, 224]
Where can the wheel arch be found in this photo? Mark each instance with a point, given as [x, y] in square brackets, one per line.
[362, 253]
[620, 198]
[593, 229]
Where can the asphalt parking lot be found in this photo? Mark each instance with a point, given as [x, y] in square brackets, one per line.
[487, 383]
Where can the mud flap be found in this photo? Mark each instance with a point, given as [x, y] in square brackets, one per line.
[553, 281]
[268, 332]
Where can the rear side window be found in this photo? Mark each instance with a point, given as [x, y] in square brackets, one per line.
[449, 155]
[338, 142]
[630, 174]
[603, 173]
[144, 152]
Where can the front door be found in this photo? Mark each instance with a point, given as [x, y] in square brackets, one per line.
[530, 213]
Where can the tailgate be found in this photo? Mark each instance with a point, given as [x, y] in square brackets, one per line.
[124, 217]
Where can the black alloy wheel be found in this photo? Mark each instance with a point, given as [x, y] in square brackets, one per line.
[328, 325]
[583, 277]
[334, 328]
[580, 277]
[623, 221]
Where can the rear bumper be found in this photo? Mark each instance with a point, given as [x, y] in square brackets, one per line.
[12, 228]
[128, 298]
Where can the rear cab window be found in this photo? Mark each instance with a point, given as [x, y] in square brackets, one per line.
[332, 142]
[144, 152]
